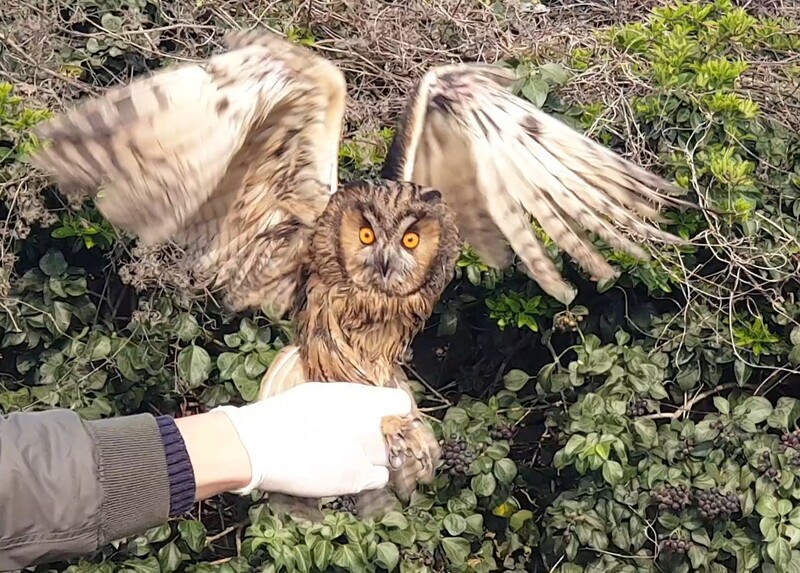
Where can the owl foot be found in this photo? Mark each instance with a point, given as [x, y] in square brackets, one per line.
[300, 508]
[413, 453]
[375, 503]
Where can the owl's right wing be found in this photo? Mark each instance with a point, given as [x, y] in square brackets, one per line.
[233, 158]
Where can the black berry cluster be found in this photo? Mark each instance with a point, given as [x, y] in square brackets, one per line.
[345, 503]
[774, 474]
[688, 446]
[790, 441]
[503, 431]
[678, 545]
[457, 455]
[672, 498]
[716, 505]
[567, 322]
[638, 408]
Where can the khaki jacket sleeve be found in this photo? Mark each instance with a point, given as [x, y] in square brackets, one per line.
[68, 486]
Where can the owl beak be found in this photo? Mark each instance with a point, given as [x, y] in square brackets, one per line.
[382, 265]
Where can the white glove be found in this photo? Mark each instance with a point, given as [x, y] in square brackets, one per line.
[318, 439]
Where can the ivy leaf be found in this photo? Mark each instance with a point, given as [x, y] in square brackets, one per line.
[475, 524]
[387, 555]
[520, 518]
[612, 472]
[780, 553]
[767, 506]
[646, 429]
[247, 387]
[781, 416]
[705, 431]
[194, 365]
[722, 405]
[455, 524]
[146, 565]
[170, 558]
[322, 553]
[505, 470]
[302, 558]
[248, 330]
[483, 484]
[53, 263]
[395, 519]
[456, 549]
[535, 90]
[698, 556]
[754, 409]
[556, 73]
[498, 450]
[62, 316]
[515, 380]
[193, 533]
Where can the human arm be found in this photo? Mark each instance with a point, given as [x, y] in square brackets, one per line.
[69, 486]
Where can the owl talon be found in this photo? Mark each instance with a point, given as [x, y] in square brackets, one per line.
[413, 452]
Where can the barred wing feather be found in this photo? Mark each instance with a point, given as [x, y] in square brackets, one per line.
[233, 158]
[497, 159]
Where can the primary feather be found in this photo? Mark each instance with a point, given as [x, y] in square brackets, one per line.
[234, 159]
[497, 159]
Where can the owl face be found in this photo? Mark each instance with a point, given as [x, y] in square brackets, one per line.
[392, 237]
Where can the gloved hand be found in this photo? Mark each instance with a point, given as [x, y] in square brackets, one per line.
[318, 439]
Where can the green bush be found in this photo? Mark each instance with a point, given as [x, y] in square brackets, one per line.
[652, 426]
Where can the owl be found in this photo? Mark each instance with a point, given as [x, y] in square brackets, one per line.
[235, 159]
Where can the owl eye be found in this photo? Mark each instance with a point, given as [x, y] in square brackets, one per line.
[366, 235]
[411, 240]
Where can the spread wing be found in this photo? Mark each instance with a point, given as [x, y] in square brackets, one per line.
[497, 159]
[233, 158]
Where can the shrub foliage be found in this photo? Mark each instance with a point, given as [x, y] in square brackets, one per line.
[649, 427]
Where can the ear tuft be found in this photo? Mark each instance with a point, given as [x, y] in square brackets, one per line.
[431, 196]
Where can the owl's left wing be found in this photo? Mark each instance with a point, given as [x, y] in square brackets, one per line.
[497, 159]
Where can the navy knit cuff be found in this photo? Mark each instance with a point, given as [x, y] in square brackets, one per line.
[182, 484]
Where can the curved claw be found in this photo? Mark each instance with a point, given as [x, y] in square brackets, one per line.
[413, 453]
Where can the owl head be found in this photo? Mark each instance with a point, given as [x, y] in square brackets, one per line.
[388, 237]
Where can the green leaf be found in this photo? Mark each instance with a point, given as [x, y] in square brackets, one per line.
[794, 517]
[247, 387]
[483, 484]
[498, 450]
[722, 405]
[698, 556]
[780, 553]
[515, 380]
[646, 429]
[612, 472]
[756, 409]
[456, 549]
[53, 263]
[147, 565]
[554, 72]
[387, 555]
[170, 558]
[767, 506]
[781, 416]
[705, 431]
[455, 524]
[395, 519]
[194, 365]
[322, 552]
[475, 524]
[193, 533]
[505, 470]
[519, 519]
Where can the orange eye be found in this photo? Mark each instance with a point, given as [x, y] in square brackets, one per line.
[410, 240]
[366, 235]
